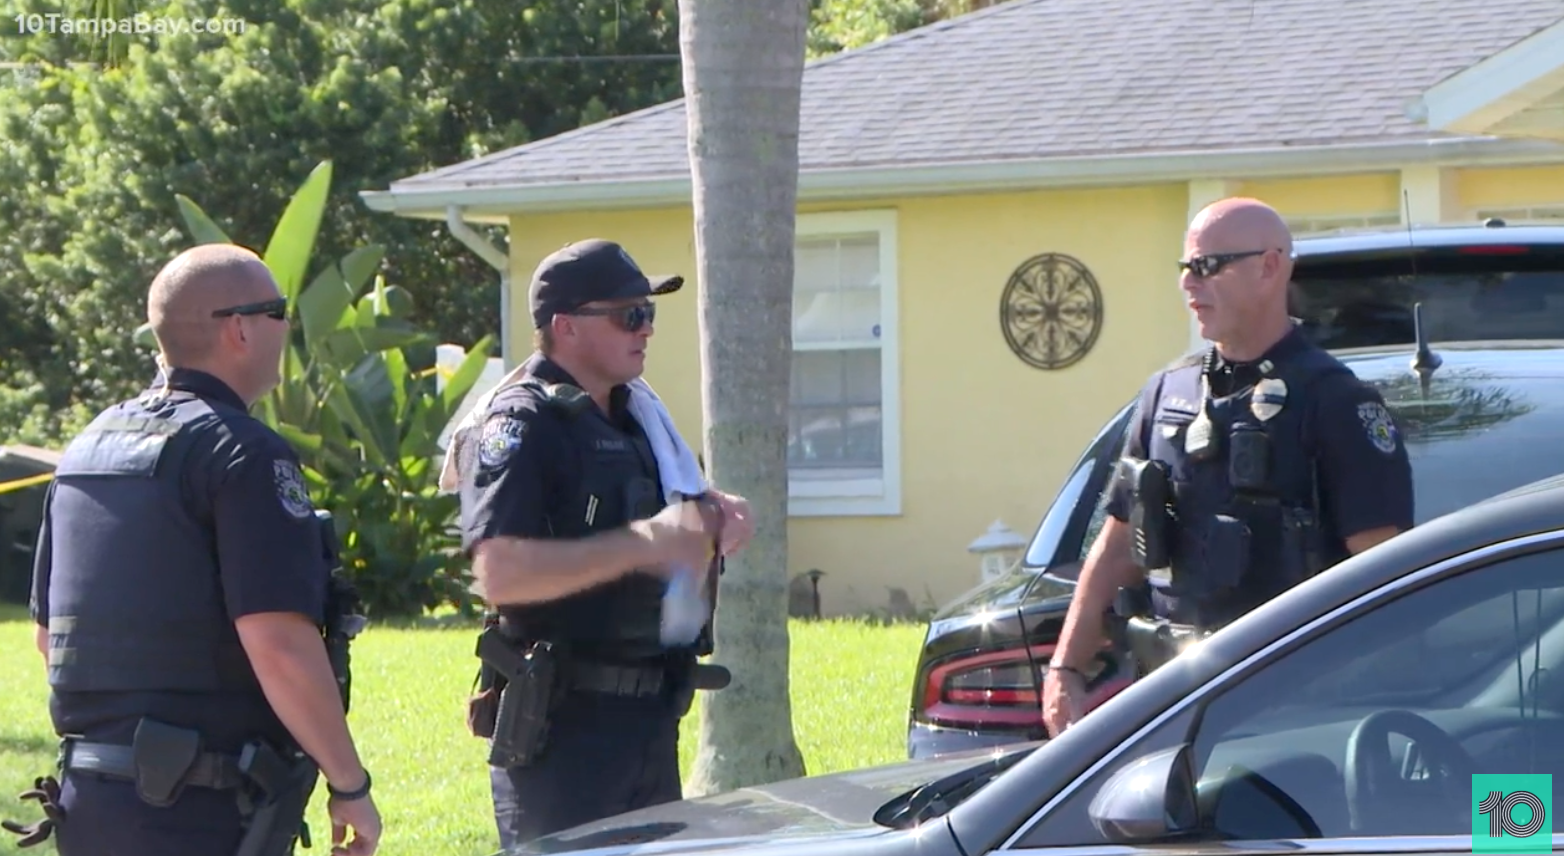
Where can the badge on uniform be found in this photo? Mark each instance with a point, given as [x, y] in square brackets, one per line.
[501, 436]
[1380, 427]
[1270, 394]
[290, 489]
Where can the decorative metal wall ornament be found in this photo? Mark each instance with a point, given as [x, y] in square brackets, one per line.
[1051, 311]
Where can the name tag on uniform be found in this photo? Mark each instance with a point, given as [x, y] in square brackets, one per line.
[613, 445]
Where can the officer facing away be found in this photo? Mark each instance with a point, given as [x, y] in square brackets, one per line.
[181, 601]
[573, 536]
[1246, 469]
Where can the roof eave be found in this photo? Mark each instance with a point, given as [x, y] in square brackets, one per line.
[1480, 97]
[496, 203]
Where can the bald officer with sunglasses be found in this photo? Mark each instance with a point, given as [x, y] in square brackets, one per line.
[573, 541]
[1247, 467]
[180, 597]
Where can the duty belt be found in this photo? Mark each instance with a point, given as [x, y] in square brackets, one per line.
[210, 770]
[617, 680]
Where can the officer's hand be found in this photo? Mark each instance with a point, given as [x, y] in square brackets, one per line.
[1064, 700]
[682, 535]
[364, 819]
[738, 527]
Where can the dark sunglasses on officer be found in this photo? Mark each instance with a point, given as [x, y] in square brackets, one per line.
[275, 309]
[1206, 266]
[627, 318]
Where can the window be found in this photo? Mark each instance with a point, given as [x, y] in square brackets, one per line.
[1474, 662]
[843, 451]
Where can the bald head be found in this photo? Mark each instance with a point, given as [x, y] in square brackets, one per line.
[198, 282]
[1244, 223]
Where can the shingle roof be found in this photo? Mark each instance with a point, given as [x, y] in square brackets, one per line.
[1052, 78]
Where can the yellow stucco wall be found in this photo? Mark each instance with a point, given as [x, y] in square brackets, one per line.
[1517, 187]
[984, 436]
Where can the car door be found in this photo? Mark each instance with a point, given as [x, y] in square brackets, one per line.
[1300, 747]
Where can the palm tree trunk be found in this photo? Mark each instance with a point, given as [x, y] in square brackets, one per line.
[743, 69]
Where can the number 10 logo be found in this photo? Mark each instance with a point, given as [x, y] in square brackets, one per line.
[1499, 825]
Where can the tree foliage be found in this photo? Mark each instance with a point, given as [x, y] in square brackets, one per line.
[360, 403]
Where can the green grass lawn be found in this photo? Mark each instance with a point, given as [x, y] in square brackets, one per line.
[431, 782]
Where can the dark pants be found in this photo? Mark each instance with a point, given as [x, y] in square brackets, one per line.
[105, 817]
[606, 755]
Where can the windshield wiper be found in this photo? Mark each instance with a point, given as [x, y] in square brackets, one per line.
[929, 801]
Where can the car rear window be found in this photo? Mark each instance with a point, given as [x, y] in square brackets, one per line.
[1488, 292]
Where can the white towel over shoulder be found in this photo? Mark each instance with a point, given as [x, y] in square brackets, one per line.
[676, 463]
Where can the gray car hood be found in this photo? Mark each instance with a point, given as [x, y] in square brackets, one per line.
[808, 812]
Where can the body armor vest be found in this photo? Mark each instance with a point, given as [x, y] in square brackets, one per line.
[618, 621]
[135, 601]
[1245, 509]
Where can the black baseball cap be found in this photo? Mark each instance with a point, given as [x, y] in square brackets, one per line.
[590, 270]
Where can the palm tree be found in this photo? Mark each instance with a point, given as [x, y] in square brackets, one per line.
[743, 74]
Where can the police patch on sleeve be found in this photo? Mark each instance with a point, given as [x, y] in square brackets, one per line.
[290, 489]
[1381, 429]
[500, 438]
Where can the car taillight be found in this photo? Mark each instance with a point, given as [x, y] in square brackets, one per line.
[1004, 688]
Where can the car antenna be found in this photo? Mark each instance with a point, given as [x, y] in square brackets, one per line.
[1425, 361]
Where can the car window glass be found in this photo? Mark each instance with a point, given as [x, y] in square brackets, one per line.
[1461, 656]
[1472, 663]
[1058, 539]
[1354, 300]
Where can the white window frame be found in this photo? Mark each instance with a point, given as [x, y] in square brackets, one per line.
[862, 497]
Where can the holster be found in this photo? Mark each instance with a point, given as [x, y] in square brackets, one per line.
[1155, 641]
[519, 734]
[278, 793]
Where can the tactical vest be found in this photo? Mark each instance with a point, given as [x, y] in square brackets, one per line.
[618, 621]
[1245, 507]
[135, 600]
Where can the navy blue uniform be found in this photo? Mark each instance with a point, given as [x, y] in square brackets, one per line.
[170, 517]
[545, 462]
[1272, 465]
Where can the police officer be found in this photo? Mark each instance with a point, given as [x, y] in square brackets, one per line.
[180, 597]
[1247, 468]
[573, 539]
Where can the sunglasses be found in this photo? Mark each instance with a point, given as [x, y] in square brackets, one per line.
[627, 318]
[1206, 267]
[276, 309]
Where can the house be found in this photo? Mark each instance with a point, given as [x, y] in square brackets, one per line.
[989, 212]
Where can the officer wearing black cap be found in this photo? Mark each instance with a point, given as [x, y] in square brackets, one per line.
[182, 597]
[1246, 469]
[573, 540]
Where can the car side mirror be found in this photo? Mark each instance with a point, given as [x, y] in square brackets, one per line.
[1150, 799]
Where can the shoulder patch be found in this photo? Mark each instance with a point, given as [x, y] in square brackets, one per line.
[290, 489]
[1381, 429]
[500, 438]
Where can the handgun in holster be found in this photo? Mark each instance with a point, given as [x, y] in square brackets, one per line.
[521, 720]
[278, 793]
[1150, 524]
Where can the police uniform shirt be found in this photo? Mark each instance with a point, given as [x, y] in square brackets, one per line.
[242, 481]
[1365, 477]
[523, 465]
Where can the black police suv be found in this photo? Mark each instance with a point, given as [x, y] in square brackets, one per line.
[1479, 397]
[1353, 714]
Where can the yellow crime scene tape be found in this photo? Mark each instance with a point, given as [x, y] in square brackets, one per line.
[18, 484]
